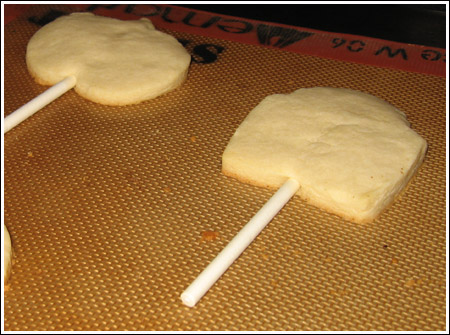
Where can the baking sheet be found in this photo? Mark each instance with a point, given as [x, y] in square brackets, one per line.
[108, 207]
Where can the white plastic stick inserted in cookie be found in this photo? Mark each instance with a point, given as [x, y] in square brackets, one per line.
[238, 244]
[39, 102]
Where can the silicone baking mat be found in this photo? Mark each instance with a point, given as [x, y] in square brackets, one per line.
[113, 211]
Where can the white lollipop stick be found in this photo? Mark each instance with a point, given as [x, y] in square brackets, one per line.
[37, 103]
[238, 244]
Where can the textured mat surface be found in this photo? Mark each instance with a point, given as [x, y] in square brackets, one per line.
[108, 207]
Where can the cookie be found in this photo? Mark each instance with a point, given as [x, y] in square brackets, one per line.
[114, 62]
[351, 152]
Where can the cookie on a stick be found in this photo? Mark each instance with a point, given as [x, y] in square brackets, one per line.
[351, 152]
[106, 60]
[345, 151]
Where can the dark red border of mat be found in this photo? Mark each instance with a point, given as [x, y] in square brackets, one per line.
[344, 47]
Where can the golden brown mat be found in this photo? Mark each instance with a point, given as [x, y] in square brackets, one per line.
[109, 207]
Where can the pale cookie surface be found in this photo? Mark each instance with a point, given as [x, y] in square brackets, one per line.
[351, 152]
[7, 254]
[115, 62]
